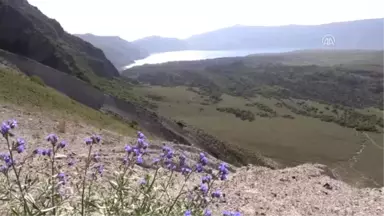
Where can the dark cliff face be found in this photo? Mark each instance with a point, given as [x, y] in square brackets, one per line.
[26, 31]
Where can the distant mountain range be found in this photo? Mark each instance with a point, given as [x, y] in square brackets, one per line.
[157, 44]
[360, 34]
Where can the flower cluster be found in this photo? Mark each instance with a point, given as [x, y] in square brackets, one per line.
[7, 126]
[56, 145]
[228, 213]
[223, 171]
[202, 162]
[62, 178]
[20, 145]
[199, 198]
[94, 139]
[137, 151]
[7, 160]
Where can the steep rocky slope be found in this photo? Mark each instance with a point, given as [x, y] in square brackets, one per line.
[28, 32]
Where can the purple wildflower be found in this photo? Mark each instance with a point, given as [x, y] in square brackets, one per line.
[20, 145]
[96, 157]
[38, 151]
[144, 145]
[128, 148]
[20, 141]
[20, 149]
[199, 167]
[223, 171]
[62, 144]
[100, 169]
[71, 162]
[227, 213]
[140, 135]
[136, 151]
[207, 212]
[142, 181]
[216, 194]
[3, 168]
[185, 171]
[166, 148]
[12, 123]
[182, 159]
[7, 159]
[95, 139]
[188, 213]
[206, 179]
[61, 177]
[204, 161]
[4, 155]
[223, 177]
[88, 141]
[204, 188]
[46, 152]
[52, 138]
[223, 168]
[156, 161]
[5, 129]
[169, 155]
[139, 159]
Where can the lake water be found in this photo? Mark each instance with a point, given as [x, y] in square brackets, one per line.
[191, 55]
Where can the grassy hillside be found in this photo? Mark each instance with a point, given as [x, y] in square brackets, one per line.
[32, 93]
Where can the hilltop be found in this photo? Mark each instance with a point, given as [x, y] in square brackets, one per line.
[156, 44]
[28, 32]
[118, 50]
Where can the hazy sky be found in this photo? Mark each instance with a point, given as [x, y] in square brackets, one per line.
[133, 19]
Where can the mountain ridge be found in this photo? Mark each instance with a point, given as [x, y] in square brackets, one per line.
[116, 49]
[25, 30]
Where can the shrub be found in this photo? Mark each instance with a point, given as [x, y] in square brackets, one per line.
[69, 185]
[242, 114]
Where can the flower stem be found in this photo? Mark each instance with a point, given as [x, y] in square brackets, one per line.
[88, 160]
[180, 193]
[53, 180]
[25, 206]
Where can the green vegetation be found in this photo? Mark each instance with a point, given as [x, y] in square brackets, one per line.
[241, 114]
[37, 80]
[247, 77]
[24, 91]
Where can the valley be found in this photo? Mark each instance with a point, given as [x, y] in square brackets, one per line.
[293, 108]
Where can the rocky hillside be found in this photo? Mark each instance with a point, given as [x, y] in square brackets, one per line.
[28, 32]
[308, 189]
[119, 51]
